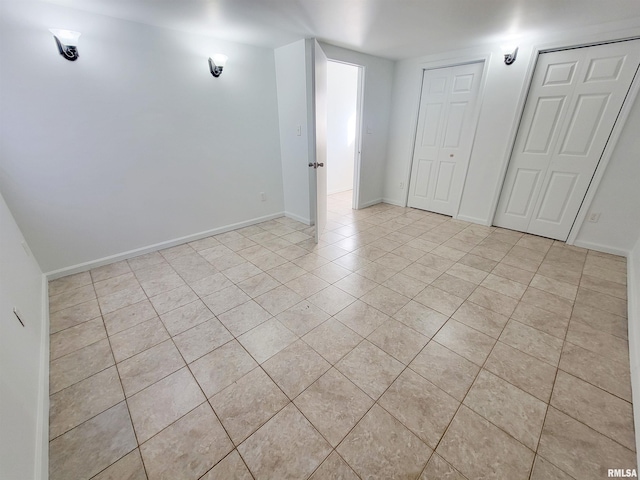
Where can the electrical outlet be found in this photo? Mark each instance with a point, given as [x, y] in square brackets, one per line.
[594, 217]
[263, 197]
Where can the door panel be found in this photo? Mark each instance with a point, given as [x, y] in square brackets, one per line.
[573, 103]
[320, 117]
[446, 124]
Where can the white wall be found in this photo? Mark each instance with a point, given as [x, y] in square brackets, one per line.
[23, 356]
[503, 99]
[618, 196]
[633, 315]
[378, 85]
[291, 74]
[135, 143]
[342, 102]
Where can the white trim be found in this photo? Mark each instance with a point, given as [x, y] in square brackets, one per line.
[479, 221]
[633, 319]
[41, 463]
[392, 201]
[601, 248]
[370, 203]
[357, 160]
[297, 218]
[82, 267]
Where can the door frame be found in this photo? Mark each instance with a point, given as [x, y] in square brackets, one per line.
[357, 156]
[438, 64]
[607, 153]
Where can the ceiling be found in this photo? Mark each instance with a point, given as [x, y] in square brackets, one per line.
[387, 28]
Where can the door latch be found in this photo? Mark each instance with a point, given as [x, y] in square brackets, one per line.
[316, 165]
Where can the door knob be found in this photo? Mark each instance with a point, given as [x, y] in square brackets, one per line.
[316, 165]
[321, 164]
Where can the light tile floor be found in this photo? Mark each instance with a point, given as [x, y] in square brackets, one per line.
[405, 345]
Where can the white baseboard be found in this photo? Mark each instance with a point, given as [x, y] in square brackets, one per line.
[41, 464]
[601, 248]
[370, 203]
[479, 221]
[393, 201]
[633, 320]
[83, 267]
[297, 218]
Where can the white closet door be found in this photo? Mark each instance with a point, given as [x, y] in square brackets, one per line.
[573, 103]
[446, 125]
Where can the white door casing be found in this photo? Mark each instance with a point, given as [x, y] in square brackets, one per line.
[444, 136]
[319, 116]
[574, 100]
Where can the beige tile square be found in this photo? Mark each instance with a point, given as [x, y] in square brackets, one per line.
[70, 282]
[244, 317]
[230, 468]
[258, 285]
[187, 448]
[556, 287]
[385, 300]
[421, 318]
[479, 449]
[513, 410]
[422, 273]
[302, 318]
[226, 299]
[548, 301]
[543, 320]
[438, 469]
[204, 243]
[439, 300]
[524, 371]
[421, 406]
[241, 272]
[307, 284]
[72, 316]
[278, 300]
[128, 317]
[332, 340]
[295, 368]
[361, 318]
[71, 298]
[202, 339]
[334, 467]
[121, 299]
[465, 341]
[600, 320]
[513, 273]
[600, 371]
[165, 302]
[286, 447]
[596, 341]
[333, 405]
[481, 319]
[84, 400]
[177, 251]
[376, 272]
[504, 286]
[164, 402]
[92, 446]
[332, 299]
[551, 269]
[454, 285]
[247, 404]
[148, 367]
[356, 285]
[475, 261]
[76, 366]
[608, 287]
[602, 301]
[218, 369]
[545, 470]
[398, 340]
[331, 272]
[579, 450]
[533, 342]
[137, 339]
[186, 317]
[146, 260]
[399, 453]
[594, 407]
[405, 285]
[211, 284]
[370, 368]
[109, 271]
[448, 370]
[75, 338]
[492, 300]
[267, 339]
[436, 262]
[352, 262]
[161, 283]
[286, 272]
[129, 467]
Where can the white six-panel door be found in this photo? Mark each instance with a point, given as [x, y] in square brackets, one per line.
[573, 103]
[446, 125]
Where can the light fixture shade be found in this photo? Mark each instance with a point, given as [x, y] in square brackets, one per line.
[66, 37]
[219, 59]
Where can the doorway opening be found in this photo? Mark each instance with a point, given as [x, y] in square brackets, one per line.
[344, 104]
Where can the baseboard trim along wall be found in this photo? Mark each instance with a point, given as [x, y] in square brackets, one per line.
[393, 201]
[297, 218]
[601, 248]
[83, 267]
[370, 203]
[41, 461]
[633, 319]
[478, 221]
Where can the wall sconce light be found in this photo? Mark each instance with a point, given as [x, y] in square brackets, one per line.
[67, 42]
[510, 57]
[217, 63]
